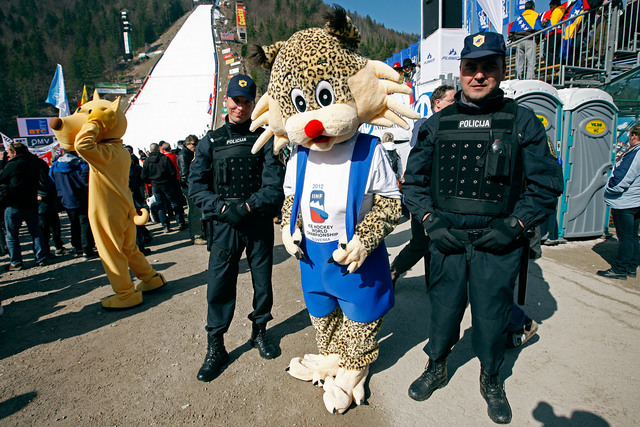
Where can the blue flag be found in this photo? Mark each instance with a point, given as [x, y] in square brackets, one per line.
[57, 93]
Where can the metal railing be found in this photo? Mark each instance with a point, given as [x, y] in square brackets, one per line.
[586, 50]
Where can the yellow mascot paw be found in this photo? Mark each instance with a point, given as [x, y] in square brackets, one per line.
[154, 283]
[314, 367]
[115, 303]
[347, 386]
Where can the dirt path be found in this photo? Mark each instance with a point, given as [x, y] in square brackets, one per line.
[65, 361]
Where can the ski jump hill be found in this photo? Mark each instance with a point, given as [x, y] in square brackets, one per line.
[175, 98]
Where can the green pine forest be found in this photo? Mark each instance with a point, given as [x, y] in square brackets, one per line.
[86, 39]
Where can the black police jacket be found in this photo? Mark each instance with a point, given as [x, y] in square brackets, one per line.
[541, 170]
[269, 196]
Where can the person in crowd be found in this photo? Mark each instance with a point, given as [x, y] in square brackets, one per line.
[158, 170]
[468, 191]
[553, 38]
[418, 246]
[622, 194]
[70, 174]
[238, 204]
[185, 157]
[525, 25]
[143, 236]
[19, 180]
[48, 208]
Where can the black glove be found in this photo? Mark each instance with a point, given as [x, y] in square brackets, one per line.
[234, 214]
[505, 231]
[438, 231]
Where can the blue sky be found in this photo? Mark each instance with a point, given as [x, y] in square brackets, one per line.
[399, 15]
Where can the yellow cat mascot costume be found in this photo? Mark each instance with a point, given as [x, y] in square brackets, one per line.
[342, 197]
[94, 131]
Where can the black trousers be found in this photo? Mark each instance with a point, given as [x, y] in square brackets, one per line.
[414, 251]
[49, 223]
[256, 237]
[486, 281]
[81, 237]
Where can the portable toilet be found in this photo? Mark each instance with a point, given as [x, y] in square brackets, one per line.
[586, 148]
[544, 100]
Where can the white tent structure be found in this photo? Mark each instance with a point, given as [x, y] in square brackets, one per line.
[174, 101]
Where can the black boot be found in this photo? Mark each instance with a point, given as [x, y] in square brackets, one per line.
[497, 404]
[433, 378]
[215, 360]
[259, 339]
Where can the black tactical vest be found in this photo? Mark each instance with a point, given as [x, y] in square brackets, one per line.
[237, 173]
[477, 162]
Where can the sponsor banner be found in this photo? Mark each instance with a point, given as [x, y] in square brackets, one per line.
[34, 126]
[225, 51]
[229, 61]
[227, 36]
[228, 56]
[235, 64]
[241, 17]
[440, 53]
[224, 110]
[115, 88]
[42, 146]
[233, 71]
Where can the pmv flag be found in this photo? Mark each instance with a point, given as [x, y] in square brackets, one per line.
[85, 97]
[6, 140]
[57, 93]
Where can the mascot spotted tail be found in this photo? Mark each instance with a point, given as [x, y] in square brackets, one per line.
[95, 132]
[342, 197]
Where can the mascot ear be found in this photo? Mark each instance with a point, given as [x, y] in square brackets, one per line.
[96, 95]
[340, 25]
[115, 105]
[264, 55]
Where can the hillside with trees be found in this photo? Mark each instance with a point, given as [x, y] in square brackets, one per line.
[86, 39]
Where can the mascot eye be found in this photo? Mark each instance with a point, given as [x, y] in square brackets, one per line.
[297, 97]
[78, 110]
[324, 93]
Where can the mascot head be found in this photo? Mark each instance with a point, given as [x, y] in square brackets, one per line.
[66, 128]
[321, 90]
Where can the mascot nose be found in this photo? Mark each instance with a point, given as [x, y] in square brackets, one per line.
[314, 129]
[55, 123]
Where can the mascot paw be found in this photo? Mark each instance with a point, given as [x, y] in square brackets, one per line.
[154, 283]
[347, 386]
[291, 242]
[104, 118]
[314, 367]
[115, 303]
[351, 254]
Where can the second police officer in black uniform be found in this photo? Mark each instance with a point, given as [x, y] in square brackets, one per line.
[481, 173]
[239, 194]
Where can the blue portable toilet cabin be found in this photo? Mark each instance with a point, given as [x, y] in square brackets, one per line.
[544, 100]
[589, 119]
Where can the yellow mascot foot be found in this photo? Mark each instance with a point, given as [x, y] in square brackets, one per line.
[154, 283]
[314, 367]
[115, 303]
[347, 386]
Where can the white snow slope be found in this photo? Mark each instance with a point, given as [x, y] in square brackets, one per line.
[174, 101]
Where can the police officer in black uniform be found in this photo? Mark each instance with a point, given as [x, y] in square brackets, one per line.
[239, 194]
[480, 174]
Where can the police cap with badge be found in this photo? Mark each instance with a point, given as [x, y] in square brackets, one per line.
[480, 45]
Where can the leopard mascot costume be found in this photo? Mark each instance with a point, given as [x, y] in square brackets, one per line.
[320, 91]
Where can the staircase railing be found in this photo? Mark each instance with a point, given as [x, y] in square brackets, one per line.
[586, 50]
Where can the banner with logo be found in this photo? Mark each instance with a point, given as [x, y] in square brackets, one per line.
[44, 147]
[440, 53]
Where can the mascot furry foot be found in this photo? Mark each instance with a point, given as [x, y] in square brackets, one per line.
[348, 386]
[314, 367]
[152, 284]
[114, 302]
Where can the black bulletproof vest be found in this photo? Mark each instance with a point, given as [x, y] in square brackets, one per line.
[475, 162]
[237, 173]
